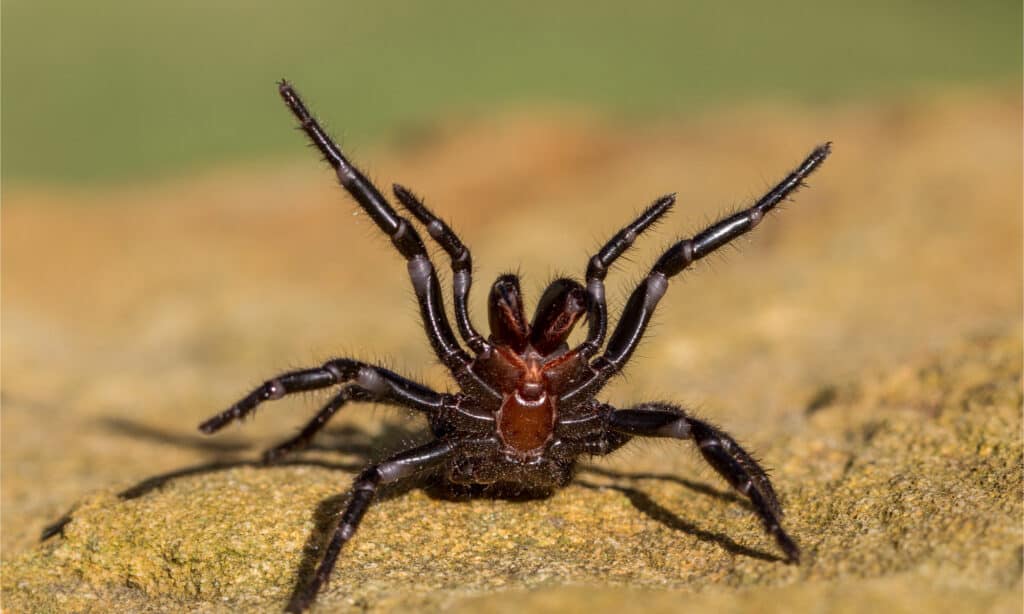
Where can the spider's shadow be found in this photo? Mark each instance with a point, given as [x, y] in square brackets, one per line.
[654, 510]
[225, 454]
[354, 442]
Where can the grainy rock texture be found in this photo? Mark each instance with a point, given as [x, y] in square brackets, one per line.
[865, 343]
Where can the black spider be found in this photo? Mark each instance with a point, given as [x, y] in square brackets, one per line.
[527, 408]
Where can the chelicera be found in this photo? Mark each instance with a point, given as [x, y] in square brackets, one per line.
[527, 406]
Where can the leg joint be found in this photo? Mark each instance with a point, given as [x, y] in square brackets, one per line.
[368, 480]
[407, 240]
[596, 269]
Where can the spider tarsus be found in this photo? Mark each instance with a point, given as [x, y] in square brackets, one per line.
[273, 456]
[787, 545]
[301, 441]
[412, 203]
[301, 602]
[214, 424]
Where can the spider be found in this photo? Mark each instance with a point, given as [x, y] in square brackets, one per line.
[527, 406]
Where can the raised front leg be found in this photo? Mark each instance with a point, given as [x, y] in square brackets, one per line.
[402, 465]
[462, 265]
[597, 270]
[403, 235]
[641, 304]
[720, 451]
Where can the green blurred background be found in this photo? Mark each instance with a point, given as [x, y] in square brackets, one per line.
[119, 90]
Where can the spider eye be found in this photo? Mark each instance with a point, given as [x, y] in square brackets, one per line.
[505, 311]
[562, 305]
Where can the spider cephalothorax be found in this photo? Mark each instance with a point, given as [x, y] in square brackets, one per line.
[527, 408]
[530, 362]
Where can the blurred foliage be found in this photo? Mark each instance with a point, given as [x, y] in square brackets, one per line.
[114, 89]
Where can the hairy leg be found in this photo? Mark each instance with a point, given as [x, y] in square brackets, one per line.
[641, 304]
[462, 265]
[720, 451]
[319, 421]
[598, 267]
[385, 385]
[402, 465]
[402, 234]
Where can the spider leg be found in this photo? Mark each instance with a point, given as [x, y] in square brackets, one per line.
[384, 385]
[319, 421]
[403, 235]
[720, 451]
[598, 267]
[462, 265]
[364, 488]
[641, 304]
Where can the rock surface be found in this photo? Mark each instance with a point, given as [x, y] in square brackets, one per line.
[866, 343]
